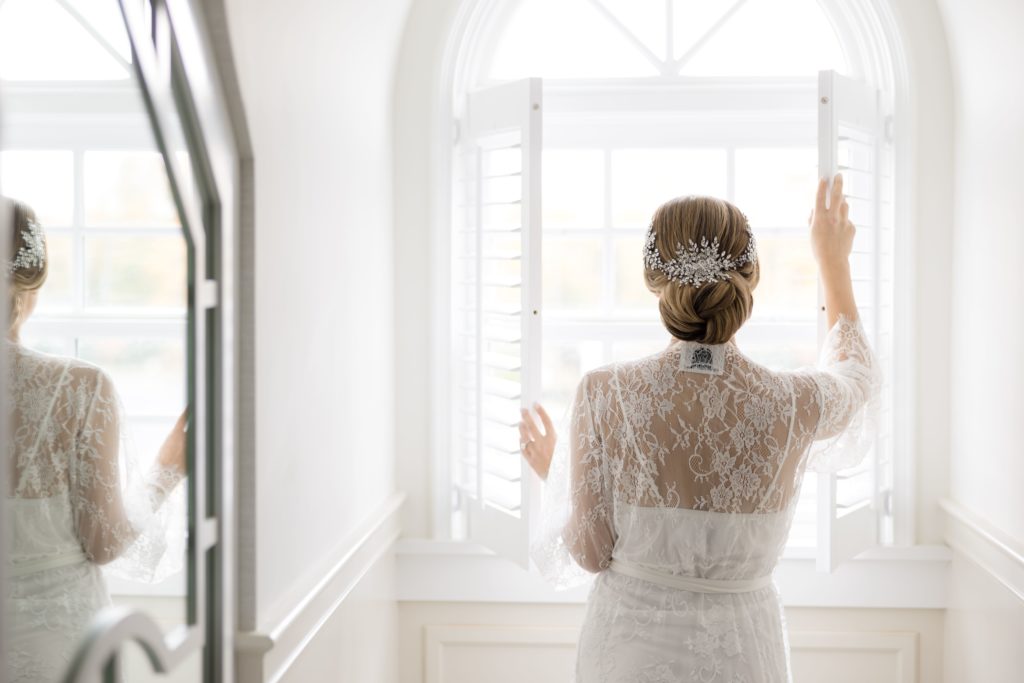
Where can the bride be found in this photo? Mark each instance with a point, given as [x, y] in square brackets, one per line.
[682, 469]
[74, 501]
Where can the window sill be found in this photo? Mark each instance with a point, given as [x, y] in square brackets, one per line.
[891, 577]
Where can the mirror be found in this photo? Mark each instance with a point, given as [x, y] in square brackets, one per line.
[99, 349]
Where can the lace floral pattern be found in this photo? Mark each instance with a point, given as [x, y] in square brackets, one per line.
[77, 500]
[695, 473]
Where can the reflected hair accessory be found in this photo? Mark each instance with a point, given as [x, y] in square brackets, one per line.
[32, 253]
[696, 264]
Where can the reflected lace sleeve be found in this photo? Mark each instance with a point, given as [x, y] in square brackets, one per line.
[576, 535]
[846, 385]
[126, 519]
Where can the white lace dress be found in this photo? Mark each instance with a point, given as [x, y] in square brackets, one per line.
[678, 484]
[76, 501]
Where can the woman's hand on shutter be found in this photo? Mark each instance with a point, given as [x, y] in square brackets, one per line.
[536, 446]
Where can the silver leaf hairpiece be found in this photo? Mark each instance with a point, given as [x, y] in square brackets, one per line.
[32, 253]
[696, 264]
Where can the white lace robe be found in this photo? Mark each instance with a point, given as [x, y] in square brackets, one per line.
[684, 468]
[76, 501]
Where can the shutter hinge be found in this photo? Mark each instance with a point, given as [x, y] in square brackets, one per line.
[886, 501]
[887, 128]
[456, 131]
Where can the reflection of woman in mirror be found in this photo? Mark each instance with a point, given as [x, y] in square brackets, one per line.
[75, 501]
[679, 480]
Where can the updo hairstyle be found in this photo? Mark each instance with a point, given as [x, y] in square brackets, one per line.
[712, 312]
[25, 279]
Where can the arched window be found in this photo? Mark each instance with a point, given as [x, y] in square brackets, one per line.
[644, 101]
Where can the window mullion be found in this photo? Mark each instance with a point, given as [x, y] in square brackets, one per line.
[78, 238]
[678, 64]
[608, 291]
[661, 65]
[730, 174]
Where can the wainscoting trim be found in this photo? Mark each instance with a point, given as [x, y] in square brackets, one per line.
[903, 643]
[451, 571]
[440, 636]
[264, 656]
[984, 545]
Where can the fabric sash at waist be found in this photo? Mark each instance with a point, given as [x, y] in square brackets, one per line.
[44, 563]
[688, 583]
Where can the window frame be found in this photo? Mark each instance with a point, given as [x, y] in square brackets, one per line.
[872, 42]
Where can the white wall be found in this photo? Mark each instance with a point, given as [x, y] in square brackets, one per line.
[988, 319]
[417, 92]
[987, 335]
[929, 131]
[316, 83]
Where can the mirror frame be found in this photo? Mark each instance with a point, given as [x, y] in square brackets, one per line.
[174, 63]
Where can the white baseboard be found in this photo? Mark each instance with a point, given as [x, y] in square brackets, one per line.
[265, 656]
[987, 547]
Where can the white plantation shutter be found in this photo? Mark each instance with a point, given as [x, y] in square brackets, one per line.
[852, 139]
[496, 312]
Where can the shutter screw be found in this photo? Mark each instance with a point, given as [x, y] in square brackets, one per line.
[536, 107]
[824, 100]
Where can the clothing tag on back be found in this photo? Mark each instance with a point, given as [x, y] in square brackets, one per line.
[706, 358]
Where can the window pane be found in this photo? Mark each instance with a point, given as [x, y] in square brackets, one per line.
[573, 188]
[57, 293]
[148, 434]
[630, 290]
[769, 38]
[148, 373]
[41, 41]
[634, 350]
[644, 179]
[46, 342]
[775, 187]
[106, 18]
[788, 287]
[692, 19]
[644, 20]
[127, 189]
[44, 180]
[563, 366]
[779, 345]
[537, 42]
[135, 272]
[572, 273]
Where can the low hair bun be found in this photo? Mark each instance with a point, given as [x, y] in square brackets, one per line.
[713, 312]
[22, 280]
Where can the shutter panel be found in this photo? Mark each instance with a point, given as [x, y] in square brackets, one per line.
[496, 316]
[852, 140]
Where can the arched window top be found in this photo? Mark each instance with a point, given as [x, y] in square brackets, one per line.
[569, 39]
[63, 40]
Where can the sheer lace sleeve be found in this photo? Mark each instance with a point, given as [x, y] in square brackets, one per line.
[576, 532]
[124, 519]
[845, 386]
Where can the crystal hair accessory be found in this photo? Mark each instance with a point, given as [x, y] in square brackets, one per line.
[32, 253]
[696, 264]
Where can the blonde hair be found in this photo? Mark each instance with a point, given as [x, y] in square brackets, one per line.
[712, 312]
[25, 279]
